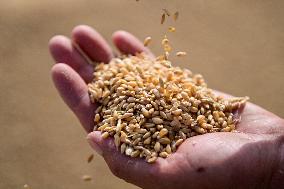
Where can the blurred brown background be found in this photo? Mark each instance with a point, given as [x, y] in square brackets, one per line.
[238, 45]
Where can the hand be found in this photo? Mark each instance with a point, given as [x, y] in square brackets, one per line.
[251, 158]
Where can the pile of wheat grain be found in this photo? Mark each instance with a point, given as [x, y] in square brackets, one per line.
[150, 107]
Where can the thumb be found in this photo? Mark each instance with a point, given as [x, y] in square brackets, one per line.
[133, 170]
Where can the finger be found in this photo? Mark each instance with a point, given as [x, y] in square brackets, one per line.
[128, 44]
[92, 43]
[62, 50]
[133, 170]
[74, 92]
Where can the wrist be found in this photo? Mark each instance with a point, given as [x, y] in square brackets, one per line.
[277, 179]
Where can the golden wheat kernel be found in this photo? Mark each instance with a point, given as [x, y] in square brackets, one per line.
[122, 148]
[184, 95]
[201, 119]
[126, 115]
[226, 129]
[163, 132]
[90, 158]
[135, 153]
[142, 131]
[136, 141]
[147, 40]
[155, 113]
[147, 152]
[177, 112]
[156, 133]
[148, 134]
[163, 114]
[147, 140]
[164, 140]
[152, 159]
[151, 110]
[180, 54]
[199, 130]
[149, 125]
[224, 124]
[157, 120]
[26, 186]
[172, 29]
[194, 109]
[163, 154]
[97, 118]
[157, 147]
[128, 150]
[220, 120]
[123, 136]
[156, 93]
[155, 105]
[116, 140]
[86, 178]
[167, 48]
[232, 126]
[216, 115]
[163, 18]
[222, 114]
[165, 41]
[105, 135]
[145, 112]
[168, 149]
[176, 14]
[179, 142]
[159, 127]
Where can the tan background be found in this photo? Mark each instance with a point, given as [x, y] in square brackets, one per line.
[238, 45]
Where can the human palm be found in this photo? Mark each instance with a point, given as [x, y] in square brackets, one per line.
[249, 158]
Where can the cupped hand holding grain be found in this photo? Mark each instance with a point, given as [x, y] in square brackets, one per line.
[250, 158]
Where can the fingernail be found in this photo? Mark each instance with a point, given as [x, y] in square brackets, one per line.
[94, 145]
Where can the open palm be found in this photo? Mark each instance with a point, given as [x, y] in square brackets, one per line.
[250, 158]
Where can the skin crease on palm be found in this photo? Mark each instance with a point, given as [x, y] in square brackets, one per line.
[250, 158]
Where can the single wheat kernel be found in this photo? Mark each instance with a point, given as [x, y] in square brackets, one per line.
[86, 178]
[172, 29]
[147, 140]
[163, 132]
[97, 118]
[157, 120]
[105, 135]
[26, 186]
[147, 40]
[178, 142]
[117, 140]
[163, 18]
[163, 154]
[122, 148]
[145, 112]
[176, 15]
[152, 159]
[164, 140]
[148, 134]
[147, 152]
[177, 112]
[157, 147]
[168, 149]
[123, 136]
[90, 158]
[180, 54]
[128, 151]
[135, 153]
